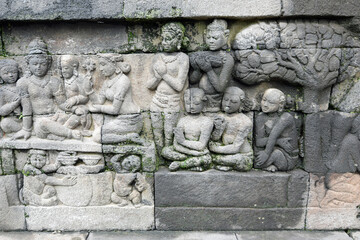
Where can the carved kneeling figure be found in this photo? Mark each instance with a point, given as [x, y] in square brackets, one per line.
[276, 134]
[230, 144]
[192, 135]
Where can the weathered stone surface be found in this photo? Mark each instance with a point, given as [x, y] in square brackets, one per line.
[7, 161]
[42, 236]
[355, 235]
[60, 10]
[183, 218]
[320, 8]
[323, 135]
[230, 189]
[333, 201]
[67, 38]
[162, 235]
[292, 235]
[89, 218]
[11, 212]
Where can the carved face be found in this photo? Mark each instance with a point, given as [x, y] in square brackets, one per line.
[67, 70]
[270, 102]
[170, 42]
[107, 68]
[215, 40]
[9, 74]
[230, 103]
[194, 101]
[39, 66]
[38, 160]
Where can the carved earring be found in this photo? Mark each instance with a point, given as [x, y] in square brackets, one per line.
[118, 71]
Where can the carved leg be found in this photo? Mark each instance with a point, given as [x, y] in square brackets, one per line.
[157, 123]
[196, 163]
[10, 125]
[240, 162]
[49, 129]
[171, 154]
[170, 121]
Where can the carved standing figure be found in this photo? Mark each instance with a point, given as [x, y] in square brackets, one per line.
[42, 94]
[115, 98]
[168, 77]
[9, 97]
[192, 135]
[211, 70]
[38, 187]
[276, 134]
[77, 91]
[230, 144]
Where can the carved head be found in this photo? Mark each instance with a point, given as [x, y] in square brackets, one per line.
[111, 64]
[217, 35]
[232, 100]
[69, 65]
[172, 36]
[37, 59]
[9, 71]
[273, 101]
[37, 158]
[194, 100]
[131, 163]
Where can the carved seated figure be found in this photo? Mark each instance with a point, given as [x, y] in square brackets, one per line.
[192, 135]
[116, 90]
[211, 70]
[9, 97]
[42, 94]
[38, 187]
[77, 91]
[128, 189]
[230, 144]
[276, 134]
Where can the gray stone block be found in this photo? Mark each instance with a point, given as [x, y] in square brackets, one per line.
[42, 236]
[109, 217]
[162, 235]
[67, 38]
[61, 10]
[321, 8]
[7, 161]
[355, 235]
[255, 189]
[215, 219]
[292, 235]
[323, 135]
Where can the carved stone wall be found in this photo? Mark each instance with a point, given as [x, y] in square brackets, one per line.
[182, 121]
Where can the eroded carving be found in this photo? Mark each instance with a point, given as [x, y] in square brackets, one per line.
[191, 135]
[211, 70]
[9, 97]
[230, 145]
[168, 78]
[276, 138]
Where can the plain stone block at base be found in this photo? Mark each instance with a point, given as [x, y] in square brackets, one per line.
[332, 218]
[224, 219]
[110, 217]
[42, 236]
[355, 235]
[161, 235]
[292, 235]
[12, 218]
[255, 189]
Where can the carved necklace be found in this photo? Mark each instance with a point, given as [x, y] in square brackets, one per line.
[70, 81]
[41, 83]
[9, 90]
[169, 59]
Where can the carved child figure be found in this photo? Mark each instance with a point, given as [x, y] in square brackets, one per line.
[77, 91]
[276, 134]
[192, 135]
[230, 144]
[42, 94]
[212, 69]
[9, 97]
[38, 187]
[168, 78]
[128, 189]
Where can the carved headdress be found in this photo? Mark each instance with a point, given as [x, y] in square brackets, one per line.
[37, 46]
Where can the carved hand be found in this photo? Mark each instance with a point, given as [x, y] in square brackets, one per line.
[70, 103]
[219, 122]
[261, 158]
[193, 62]
[285, 144]
[179, 134]
[21, 134]
[205, 65]
[95, 108]
[160, 68]
[69, 181]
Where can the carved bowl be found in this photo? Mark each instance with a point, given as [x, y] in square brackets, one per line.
[68, 160]
[90, 159]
